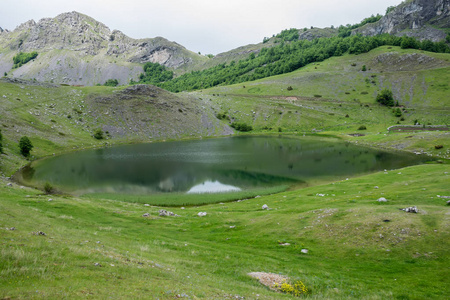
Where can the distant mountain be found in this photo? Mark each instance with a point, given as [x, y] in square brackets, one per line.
[422, 19]
[76, 49]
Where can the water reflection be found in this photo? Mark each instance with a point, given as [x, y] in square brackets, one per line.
[212, 187]
[244, 162]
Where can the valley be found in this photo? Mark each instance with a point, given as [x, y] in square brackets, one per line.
[347, 238]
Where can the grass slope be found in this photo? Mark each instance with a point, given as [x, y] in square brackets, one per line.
[354, 253]
[64, 118]
[336, 97]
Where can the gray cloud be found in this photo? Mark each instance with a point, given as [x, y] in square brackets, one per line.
[200, 25]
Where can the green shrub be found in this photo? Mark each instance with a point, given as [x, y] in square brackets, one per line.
[364, 68]
[397, 112]
[111, 82]
[22, 58]
[25, 146]
[296, 289]
[289, 88]
[48, 188]
[98, 134]
[222, 116]
[241, 126]
[362, 127]
[385, 98]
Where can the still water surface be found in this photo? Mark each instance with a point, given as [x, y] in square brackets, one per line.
[211, 165]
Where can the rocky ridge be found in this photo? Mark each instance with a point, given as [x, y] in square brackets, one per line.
[76, 49]
[422, 19]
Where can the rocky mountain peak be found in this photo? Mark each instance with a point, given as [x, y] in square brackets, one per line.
[417, 18]
[77, 49]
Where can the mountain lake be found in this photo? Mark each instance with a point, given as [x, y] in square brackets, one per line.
[211, 165]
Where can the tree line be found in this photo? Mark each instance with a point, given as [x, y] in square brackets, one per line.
[282, 58]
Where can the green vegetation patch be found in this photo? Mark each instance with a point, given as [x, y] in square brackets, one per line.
[22, 58]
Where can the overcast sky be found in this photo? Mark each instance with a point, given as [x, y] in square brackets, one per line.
[208, 26]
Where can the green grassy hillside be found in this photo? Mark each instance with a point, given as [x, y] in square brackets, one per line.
[358, 248]
[336, 97]
[63, 118]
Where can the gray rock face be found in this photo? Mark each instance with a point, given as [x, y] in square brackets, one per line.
[76, 49]
[418, 18]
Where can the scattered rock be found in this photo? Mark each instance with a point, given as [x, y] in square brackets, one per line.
[9, 184]
[97, 265]
[269, 279]
[12, 228]
[146, 204]
[202, 214]
[146, 215]
[448, 202]
[165, 213]
[39, 233]
[232, 227]
[382, 199]
[305, 251]
[182, 208]
[285, 244]
[265, 207]
[376, 187]
[50, 199]
[411, 209]
[445, 197]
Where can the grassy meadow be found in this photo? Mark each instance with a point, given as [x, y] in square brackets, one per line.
[105, 246]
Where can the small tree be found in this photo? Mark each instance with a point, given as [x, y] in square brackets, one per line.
[48, 188]
[98, 134]
[111, 82]
[25, 146]
[385, 98]
[364, 68]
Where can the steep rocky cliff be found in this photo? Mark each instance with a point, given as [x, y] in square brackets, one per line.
[76, 49]
[422, 19]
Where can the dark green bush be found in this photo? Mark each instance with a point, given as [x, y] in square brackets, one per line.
[98, 134]
[25, 146]
[22, 58]
[385, 98]
[362, 127]
[222, 116]
[111, 82]
[48, 188]
[397, 112]
[241, 126]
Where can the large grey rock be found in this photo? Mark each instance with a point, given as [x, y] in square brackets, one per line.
[421, 19]
[165, 213]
